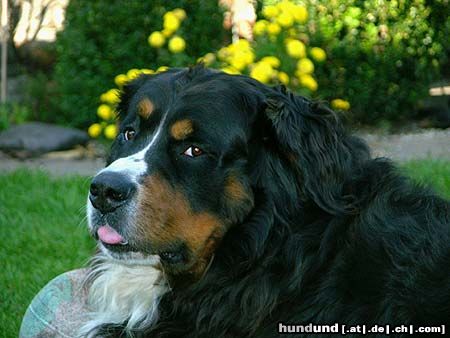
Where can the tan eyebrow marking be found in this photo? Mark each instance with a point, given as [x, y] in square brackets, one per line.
[181, 129]
[145, 108]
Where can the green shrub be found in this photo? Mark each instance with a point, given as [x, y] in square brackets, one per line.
[277, 55]
[383, 54]
[13, 113]
[104, 38]
[379, 55]
[39, 91]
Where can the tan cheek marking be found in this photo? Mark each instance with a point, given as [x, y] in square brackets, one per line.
[238, 199]
[166, 217]
[234, 190]
[181, 129]
[145, 108]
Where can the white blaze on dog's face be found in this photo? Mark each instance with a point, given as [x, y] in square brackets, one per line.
[176, 178]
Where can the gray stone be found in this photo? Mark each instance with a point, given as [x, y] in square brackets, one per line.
[35, 138]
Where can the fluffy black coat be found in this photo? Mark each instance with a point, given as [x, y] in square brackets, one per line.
[335, 237]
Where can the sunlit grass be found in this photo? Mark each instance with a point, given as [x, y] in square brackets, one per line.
[434, 172]
[42, 232]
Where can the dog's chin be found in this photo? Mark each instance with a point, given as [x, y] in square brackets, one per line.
[129, 257]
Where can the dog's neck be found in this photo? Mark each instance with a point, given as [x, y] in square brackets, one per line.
[123, 295]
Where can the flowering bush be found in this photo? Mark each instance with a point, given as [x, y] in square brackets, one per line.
[279, 54]
[375, 58]
[102, 38]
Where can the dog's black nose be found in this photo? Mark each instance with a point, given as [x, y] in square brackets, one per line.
[109, 190]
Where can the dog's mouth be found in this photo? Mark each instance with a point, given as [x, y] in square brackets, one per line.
[109, 236]
[115, 243]
[120, 248]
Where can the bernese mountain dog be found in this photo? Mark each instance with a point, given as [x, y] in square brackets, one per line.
[229, 208]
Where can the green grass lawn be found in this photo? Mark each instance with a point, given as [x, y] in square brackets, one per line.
[43, 231]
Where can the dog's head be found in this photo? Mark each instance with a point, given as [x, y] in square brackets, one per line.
[196, 149]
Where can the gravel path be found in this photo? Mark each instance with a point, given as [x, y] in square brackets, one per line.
[433, 144]
[84, 167]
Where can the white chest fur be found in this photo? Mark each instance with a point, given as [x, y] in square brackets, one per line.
[124, 293]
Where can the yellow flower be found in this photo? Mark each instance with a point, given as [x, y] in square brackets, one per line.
[147, 71]
[273, 28]
[249, 57]
[270, 11]
[260, 27]
[340, 104]
[95, 130]
[272, 61]
[238, 54]
[244, 57]
[308, 81]
[305, 66]
[300, 14]
[285, 19]
[207, 59]
[241, 44]
[133, 73]
[156, 39]
[318, 54]
[286, 6]
[262, 72]
[105, 112]
[177, 44]
[111, 131]
[171, 22]
[238, 63]
[179, 13]
[162, 69]
[230, 70]
[223, 53]
[111, 96]
[295, 48]
[120, 80]
[283, 77]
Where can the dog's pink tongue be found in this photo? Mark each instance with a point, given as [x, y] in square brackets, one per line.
[108, 235]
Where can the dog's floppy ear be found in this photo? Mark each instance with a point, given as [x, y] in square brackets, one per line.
[308, 138]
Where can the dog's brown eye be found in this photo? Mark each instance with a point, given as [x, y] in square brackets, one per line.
[193, 151]
[129, 134]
